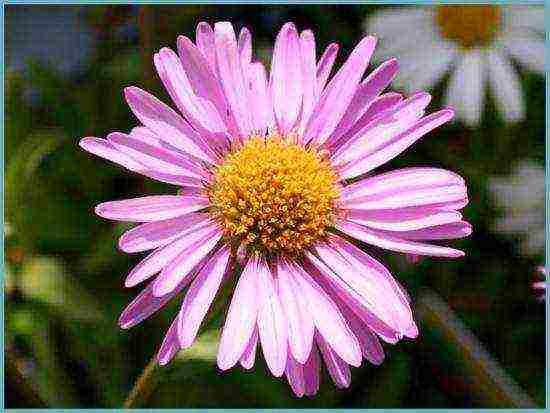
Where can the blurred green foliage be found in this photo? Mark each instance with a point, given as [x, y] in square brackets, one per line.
[63, 271]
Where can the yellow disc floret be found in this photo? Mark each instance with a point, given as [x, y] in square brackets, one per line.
[275, 197]
[469, 26]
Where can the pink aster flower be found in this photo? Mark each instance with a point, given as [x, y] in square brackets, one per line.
[265, 163]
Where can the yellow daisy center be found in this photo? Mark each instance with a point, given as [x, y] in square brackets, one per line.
[275, 197]
[469, 26]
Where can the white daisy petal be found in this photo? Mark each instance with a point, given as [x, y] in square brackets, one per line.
[528, 50]
[466, 88]
[505, 85]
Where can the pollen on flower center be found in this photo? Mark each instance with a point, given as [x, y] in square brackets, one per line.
[469, 26]
[275, 197]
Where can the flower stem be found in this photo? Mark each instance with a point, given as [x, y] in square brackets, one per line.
[144, 385]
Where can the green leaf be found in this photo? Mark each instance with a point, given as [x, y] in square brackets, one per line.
[46, 279]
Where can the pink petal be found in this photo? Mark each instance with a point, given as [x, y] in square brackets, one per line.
[241, 317]
[309, 76]
[419, 197]
[159, 259]
[454, 230]
[396, 244]
[231, 76]
[382, 128]
[200, 296]
[186, 264]
[170, 345]
[336, 288]
[286, 78]
[338, 369]
[370, 345]
[364, 96]
[244, 44]
[381, 104]
[402, 220]
[106, 150]
[338, 94]
[249, 356]
[397, 144]
[311, 372]
[324, 66]
[150, 208]
[143, 306]
[272, 322]
[258, 97]
[366, 280]
[329, 322]
[200, 113]
[160, 233]
[295, 375]
[398, 181]
[155, 158]
[166, 123]
[179, 180]
[205, 43]
[202, 76]
[300, 322]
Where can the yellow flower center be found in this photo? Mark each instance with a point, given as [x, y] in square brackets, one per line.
[469, 26]
[275, 197]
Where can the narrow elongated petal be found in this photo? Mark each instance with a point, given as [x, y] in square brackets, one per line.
[166, 123]
[201, 113]
[157, 234]
[150, 208]
[232, 77]
[170, 345]
[338, 369]
[364, 281]
[107, 150]
[300, 322]
[370, 345]
[272, 323]
[241, 317]
[249, 356]
[204, 37]
[309, 76]
[295, 375]
[465, 91]
[399, 181]
[312, 372]
[402, 220]
[337, 287]
[286, 78]
[202, 75]
[329, 322]
[453, 230]
[373, 237]
[200, 296]
[383, 103]
[143, 306]
[244, 45]
[186, 264]
[364, 96]
[338, 94]
[159, 259]
[259, 97]
[505, 86]
[398, 144]
[153, 157]
[382, 128]
[324, 66]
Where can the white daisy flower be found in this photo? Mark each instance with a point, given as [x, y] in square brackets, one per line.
[521, 196]
[478, 44]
